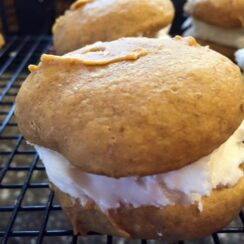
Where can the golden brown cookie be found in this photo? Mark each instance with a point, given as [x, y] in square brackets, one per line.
[225, 50]
[135, 106]
[2, 42]
[173, 223]
[224, 13]
[89, 21]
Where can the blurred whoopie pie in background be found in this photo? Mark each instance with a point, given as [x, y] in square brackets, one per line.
[88, 21]
[219, 24]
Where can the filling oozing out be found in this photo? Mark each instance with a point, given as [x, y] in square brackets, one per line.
[184, 186]
[233, 37]
[239, 55]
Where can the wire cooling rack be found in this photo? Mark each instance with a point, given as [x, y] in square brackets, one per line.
[29, 211]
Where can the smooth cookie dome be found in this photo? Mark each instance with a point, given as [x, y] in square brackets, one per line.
[89, 21]
[223, 13]
[135, 106]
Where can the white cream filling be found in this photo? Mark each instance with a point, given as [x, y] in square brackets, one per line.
[230, 37]
[185, 186]
[239, 55]
[164, 32]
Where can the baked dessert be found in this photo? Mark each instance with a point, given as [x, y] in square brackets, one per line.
[88, 21]
[2, 42]
[140, 137]
[218, 24]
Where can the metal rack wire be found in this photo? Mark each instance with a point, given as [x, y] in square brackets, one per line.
[29, 211]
